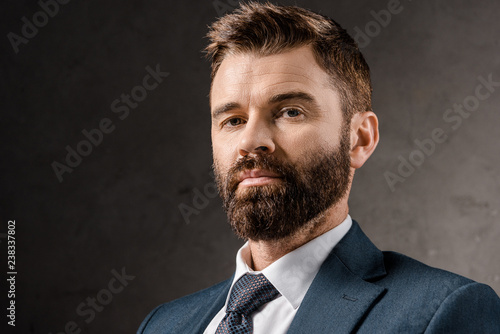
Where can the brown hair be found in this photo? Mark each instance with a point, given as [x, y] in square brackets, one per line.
[266, 29]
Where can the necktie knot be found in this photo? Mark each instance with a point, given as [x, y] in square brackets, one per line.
[248, 294]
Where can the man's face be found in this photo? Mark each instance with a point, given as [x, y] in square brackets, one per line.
[280, 143]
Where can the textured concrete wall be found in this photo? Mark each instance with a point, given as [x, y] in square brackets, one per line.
[119, 207]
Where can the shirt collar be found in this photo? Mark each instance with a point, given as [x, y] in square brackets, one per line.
[293, 273]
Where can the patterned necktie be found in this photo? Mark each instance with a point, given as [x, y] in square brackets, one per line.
[249, 293]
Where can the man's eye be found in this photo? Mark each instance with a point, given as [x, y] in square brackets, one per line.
[234, 122]
[292, 112]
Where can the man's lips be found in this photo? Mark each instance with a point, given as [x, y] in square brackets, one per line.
[257, 177]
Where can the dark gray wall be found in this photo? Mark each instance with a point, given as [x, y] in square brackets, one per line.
[119, 208]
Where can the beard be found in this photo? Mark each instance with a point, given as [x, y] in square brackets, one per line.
[298, 199]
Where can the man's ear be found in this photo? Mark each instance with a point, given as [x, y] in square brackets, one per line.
[364, 137]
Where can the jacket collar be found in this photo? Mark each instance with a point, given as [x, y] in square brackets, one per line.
[360, 255]
[341, 292]
[209, 307]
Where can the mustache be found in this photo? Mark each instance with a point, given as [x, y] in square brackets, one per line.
[266, 162]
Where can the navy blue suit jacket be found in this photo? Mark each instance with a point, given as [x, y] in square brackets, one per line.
[359, 289]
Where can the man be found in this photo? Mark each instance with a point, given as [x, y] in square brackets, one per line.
[291, 122]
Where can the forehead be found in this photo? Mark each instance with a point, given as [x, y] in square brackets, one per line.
[248, 76]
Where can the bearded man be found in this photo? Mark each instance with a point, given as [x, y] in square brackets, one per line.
[291, 122]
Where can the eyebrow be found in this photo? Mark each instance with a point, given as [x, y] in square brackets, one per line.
[225, 108]
[292, 96]
[295, 95]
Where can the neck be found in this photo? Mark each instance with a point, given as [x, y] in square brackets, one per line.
[265, 252]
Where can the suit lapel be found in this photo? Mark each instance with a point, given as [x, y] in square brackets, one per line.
[209, 308]
[341, 294]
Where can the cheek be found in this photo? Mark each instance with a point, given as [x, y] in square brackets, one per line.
[307, 139]
[223, 153]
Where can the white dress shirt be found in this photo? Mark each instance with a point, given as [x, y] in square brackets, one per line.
[291, 275]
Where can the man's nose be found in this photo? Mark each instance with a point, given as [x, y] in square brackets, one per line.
[257, 137]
